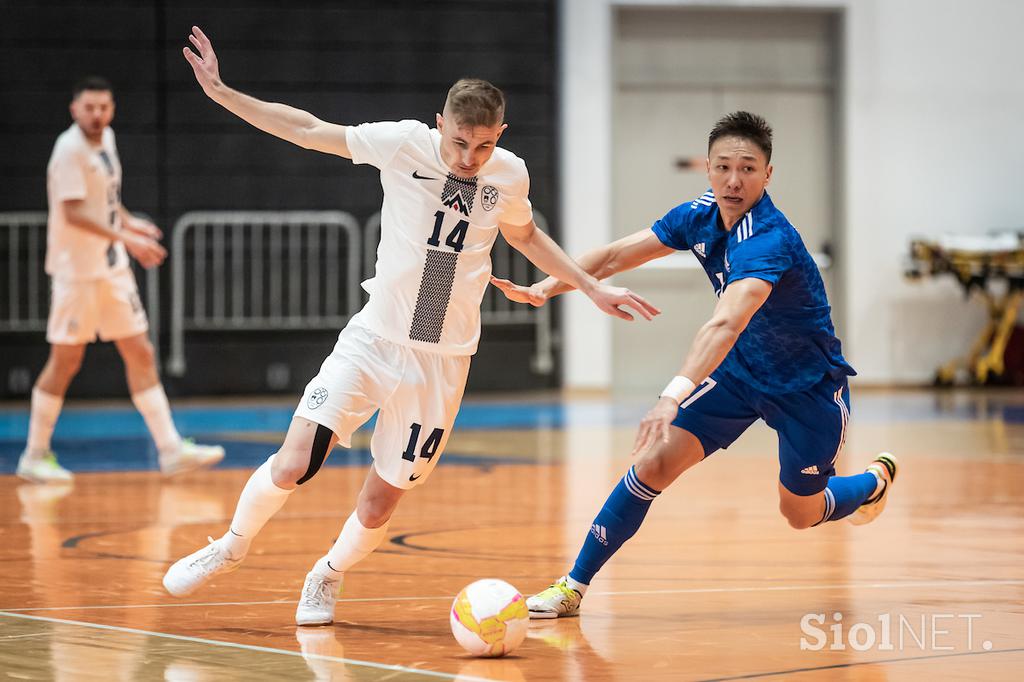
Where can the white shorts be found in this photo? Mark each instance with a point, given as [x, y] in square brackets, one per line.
[418, 394]
[109, 308]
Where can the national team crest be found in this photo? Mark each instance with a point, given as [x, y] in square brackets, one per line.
[317, 398]
[458, 193]
[489, 197]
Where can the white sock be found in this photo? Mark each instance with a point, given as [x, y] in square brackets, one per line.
[574, 585]
[153, 406]
[261, 498]
[354, 544]
[43, 418]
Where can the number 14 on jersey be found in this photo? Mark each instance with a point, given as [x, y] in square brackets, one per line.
[455, 238]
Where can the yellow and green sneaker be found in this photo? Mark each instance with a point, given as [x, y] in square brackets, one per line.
[557, 601]
[884, 468]
[42, 468]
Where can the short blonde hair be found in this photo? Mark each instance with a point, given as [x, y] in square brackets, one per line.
[475, 102]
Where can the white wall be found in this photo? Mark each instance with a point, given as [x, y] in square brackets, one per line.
[933, 99]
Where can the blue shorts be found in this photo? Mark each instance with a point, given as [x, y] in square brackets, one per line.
[811, 424]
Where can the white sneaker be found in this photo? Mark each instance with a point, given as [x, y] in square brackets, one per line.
[42, 469]
[316, 605]
[188, 457]
[557, 601]
[884, 468]
[192, 572]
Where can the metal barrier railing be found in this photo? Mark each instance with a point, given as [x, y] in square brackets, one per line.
[495, 308]
[262, 270]
[27, 286]
[251, 271]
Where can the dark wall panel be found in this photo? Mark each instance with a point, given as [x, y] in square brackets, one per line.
[348, 62]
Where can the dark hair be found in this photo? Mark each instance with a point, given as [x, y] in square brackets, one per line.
[91, 83]
[746, 125]
[474, 102]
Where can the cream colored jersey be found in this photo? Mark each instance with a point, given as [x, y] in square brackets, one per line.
[437, 230]
[80, 170]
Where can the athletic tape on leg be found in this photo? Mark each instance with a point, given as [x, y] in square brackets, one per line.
[317, 455]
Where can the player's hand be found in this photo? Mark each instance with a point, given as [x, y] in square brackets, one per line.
[144, 249]
[655, 425]
[143, 227]
[609, 299]
[204, 65]
[520, 294]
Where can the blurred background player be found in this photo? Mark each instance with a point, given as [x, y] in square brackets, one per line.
[447, 193]
[89, 237]
[768, 352]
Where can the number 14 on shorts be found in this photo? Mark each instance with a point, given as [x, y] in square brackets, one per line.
[430, 445]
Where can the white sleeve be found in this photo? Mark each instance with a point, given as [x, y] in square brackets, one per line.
[517, 209]
[67, 174]
[377, 143]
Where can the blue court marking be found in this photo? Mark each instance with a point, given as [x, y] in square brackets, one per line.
[122, 454]
[83, 422]
[116, 439]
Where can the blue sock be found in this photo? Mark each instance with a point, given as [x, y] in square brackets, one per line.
[845, 493]
[618, 520]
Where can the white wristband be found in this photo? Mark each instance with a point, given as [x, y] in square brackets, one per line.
[678, 389]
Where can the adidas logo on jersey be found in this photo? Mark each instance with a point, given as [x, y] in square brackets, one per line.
[700, 250]
[599, 533]
[811, 470]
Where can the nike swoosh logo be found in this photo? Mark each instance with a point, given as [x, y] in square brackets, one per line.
[421, 177]
[414, 477]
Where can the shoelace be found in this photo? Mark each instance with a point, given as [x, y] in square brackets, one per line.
[205, 560]
[561, 590]
[317, 592]
[881, 493]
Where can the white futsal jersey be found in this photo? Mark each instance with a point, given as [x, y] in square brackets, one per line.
[80, 170]
[437, 230]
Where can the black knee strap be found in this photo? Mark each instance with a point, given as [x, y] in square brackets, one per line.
[321, 442]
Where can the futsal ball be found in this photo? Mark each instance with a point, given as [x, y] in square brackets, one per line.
[489, 618]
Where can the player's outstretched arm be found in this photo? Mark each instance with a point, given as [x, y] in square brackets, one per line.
[543, 252]
[280, 120]
[740, 300]
[621, 255]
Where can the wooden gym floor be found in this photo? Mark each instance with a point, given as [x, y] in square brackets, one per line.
[715, 585]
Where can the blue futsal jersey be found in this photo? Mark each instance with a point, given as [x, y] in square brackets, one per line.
[789, 344]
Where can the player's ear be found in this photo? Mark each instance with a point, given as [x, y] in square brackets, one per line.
[768, 174]
[439, 120]
[500, 131]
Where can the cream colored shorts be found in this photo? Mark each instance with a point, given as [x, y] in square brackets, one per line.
[109, 308]
[418, 395]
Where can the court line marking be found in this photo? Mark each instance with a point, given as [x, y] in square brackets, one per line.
[858, 664]
[623, 593]
[250, 647]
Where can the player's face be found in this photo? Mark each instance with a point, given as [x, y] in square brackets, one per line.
[739, 172]
[466, 149]
[93, 110]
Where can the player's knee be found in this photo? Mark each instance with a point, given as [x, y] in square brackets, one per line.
[139, 353]
[287, 468]
[798, 519]
[295, 467]
[373, 512]
[799, 522]
[67, 361]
